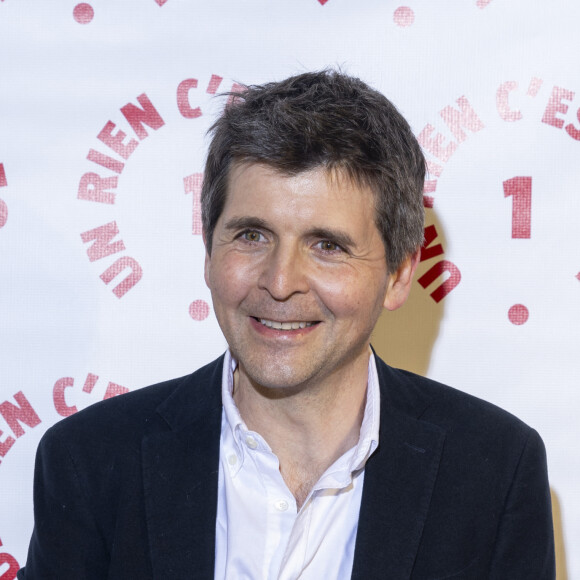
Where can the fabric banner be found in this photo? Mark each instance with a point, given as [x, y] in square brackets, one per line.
[104, 109]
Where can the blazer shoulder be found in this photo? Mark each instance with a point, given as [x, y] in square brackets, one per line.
[455, 411]
[137, 412]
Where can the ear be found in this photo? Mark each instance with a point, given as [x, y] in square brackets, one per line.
[400, 282]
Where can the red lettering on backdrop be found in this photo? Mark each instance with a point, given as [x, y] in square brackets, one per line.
[555, 105]
[534, 86]
[105, 161]
[14, 415]
[436, 144]
[573, 131]
[116, 268]
[113, 389]
[192, 184]
[13, 566]
[502, 102]
[520, 189]
[3, 213]
[214, 84]
[6, 444]
[429, 187]
[101, 238]
[183, 104]
[428, 252]
[92, 187]
[90, 383]
[116, 141]
[3, 206]
[58, 392]
[58, 398]
[456, 120]
[137, 117]
[464, 117]
[434, 168]
[102, 247]
[438, 270]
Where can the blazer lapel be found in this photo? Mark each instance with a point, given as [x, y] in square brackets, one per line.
[180, 478]
[398, 484]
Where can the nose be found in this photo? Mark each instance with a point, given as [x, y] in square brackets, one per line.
[284, 273]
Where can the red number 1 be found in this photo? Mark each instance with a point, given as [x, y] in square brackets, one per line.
[192, 184]
[520, 188]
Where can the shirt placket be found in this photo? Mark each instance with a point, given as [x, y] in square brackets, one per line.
[279, 504]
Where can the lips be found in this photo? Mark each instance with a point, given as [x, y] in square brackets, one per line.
[294, 325]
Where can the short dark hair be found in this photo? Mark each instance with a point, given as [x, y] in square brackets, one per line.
[323, 119]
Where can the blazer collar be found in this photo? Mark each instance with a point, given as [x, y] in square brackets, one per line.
[180, 478]
[399, 480]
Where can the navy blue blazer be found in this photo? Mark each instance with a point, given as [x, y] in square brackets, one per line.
[127, 488]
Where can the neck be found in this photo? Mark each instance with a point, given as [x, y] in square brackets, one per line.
[308, 428]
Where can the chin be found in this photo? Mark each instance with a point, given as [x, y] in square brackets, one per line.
[278, 377]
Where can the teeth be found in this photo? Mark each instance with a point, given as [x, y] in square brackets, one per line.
[285, 325]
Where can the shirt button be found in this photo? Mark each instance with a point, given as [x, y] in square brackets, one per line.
[281, 505]
[232, 459]
[251, 442]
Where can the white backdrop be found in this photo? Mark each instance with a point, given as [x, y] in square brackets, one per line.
[103, 111]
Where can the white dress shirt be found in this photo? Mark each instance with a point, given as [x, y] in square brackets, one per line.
[259, 532]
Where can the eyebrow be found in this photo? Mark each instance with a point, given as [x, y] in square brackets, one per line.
[245, 222]
[339, 237]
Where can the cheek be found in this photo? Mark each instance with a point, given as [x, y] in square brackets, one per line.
[352, 293]
[229, 279]
[343, 294]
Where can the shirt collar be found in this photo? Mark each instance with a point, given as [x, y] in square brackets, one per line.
[356, 457]
[369, 429]
[234, 420]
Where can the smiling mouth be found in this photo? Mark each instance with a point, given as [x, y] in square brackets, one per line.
[285, 325]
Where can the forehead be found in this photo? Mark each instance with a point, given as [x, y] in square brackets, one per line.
[254, 185]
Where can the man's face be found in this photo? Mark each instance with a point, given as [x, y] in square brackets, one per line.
[298, 275]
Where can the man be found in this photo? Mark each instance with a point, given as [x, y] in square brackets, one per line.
[299, 453]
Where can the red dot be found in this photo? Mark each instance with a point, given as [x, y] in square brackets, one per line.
[404, 16]
[518, 314]
[83, 13]
[199, 309]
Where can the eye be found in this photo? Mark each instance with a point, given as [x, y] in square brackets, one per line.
[251, 236]
[328, 246]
